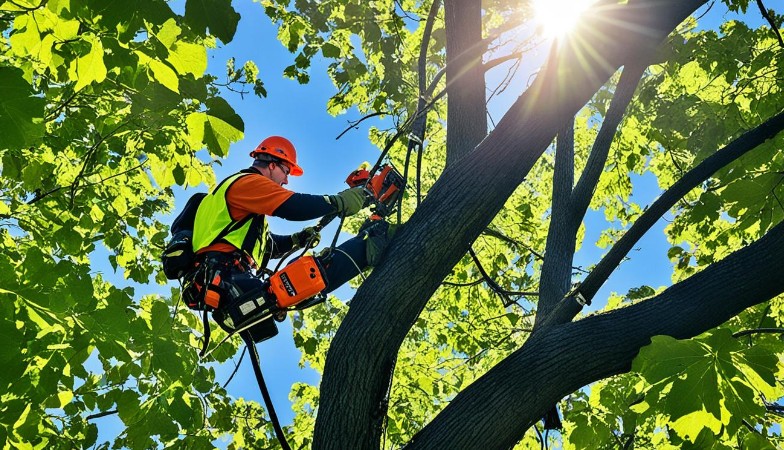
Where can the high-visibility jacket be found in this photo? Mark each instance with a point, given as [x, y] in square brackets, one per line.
[214, 220]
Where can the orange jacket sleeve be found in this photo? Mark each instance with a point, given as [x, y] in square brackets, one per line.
[255, 194]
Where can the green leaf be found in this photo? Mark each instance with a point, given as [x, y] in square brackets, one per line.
[21, 112]
[128, 406]
[216, 15]
[169, 33]
[182, 411]
[160, 71]
[220, 108]
[188, 58]
[330, 51]
[88, 68]
[218, 135]
[696, 378]
[13, 365]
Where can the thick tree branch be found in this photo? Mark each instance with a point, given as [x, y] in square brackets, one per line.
[600, 346]
[416, 138]
[749, 140]
[583, 191]
[457, 209]
[559, 248]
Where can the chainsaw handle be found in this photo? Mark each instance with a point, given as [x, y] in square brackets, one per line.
[325, 220]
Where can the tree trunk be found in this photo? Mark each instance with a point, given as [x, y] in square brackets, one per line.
[459, 206]
[465, 81]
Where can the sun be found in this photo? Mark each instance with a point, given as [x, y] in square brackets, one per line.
[558, 17]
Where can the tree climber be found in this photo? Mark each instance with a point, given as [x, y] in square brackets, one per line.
[232, 242]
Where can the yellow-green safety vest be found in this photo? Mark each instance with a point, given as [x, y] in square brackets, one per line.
[213, 223]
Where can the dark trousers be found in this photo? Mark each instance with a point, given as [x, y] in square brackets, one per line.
[339, 267]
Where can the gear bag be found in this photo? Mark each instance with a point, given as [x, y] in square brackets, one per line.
[178, 256]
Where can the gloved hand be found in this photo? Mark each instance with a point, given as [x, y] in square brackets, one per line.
[309, 234]
[350, 201]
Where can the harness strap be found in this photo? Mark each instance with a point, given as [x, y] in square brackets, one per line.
[254, 357]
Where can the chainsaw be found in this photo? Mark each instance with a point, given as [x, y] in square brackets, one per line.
[384, 188]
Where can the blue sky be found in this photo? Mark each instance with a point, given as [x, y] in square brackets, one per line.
[298, 112]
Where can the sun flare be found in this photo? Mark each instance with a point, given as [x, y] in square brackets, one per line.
[558, 17]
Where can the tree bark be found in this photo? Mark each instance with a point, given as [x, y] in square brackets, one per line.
[559, 250]
[457, 209]
[465, 79]
[561, 359]
[580, 196]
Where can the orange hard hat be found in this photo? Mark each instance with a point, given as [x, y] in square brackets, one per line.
[281, 148]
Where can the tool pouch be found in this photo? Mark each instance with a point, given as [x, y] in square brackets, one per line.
[235, 313]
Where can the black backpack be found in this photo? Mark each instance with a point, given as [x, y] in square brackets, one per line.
[178, 256]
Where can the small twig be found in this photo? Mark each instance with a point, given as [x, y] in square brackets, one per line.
[498, 235]
[469, 284]
[236, 367]
[773, 27]
[354, 125]
[490, 281]
[758, 331]
[28, 9]
[774, 408]
[710, 6]
[101, 414]
[498, 61]
[523, 293]
[541, 438]
[57, 110]
[74, 187]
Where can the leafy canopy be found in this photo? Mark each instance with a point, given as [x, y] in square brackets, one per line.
[105, 105]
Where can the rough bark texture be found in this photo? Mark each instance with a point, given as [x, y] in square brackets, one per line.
[465, 81]
[559, 249]
[456, 210]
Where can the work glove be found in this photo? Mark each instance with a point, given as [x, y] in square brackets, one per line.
[350, 201]
[309, 234]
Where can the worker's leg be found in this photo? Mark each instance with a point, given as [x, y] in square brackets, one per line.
[345, 262]
[356, 254]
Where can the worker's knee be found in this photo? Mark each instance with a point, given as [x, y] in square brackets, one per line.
[377, 239]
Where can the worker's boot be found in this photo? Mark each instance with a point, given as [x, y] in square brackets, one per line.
[377, 234]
